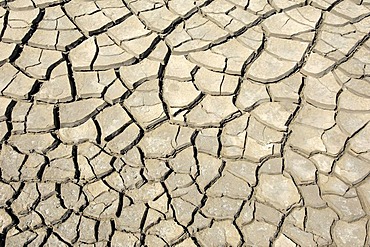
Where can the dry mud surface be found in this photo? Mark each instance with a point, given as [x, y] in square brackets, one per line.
[185, 123]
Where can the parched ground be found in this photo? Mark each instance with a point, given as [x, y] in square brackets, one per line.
[185, 123]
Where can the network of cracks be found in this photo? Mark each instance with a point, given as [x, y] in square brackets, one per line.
[185, 123]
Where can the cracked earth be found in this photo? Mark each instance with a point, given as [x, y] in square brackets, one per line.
[185, 123]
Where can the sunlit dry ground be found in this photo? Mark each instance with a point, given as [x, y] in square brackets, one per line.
[185, 123]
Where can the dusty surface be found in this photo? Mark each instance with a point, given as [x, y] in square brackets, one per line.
[185, 123]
